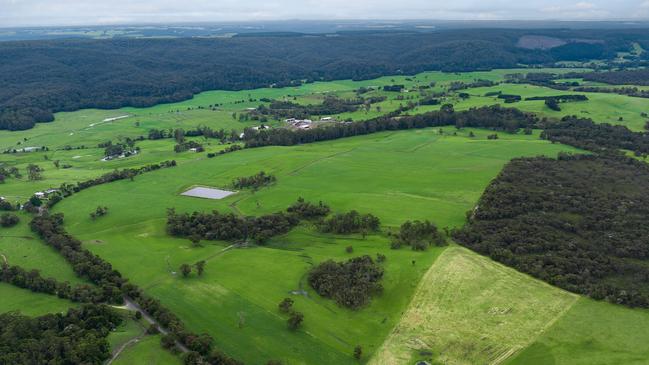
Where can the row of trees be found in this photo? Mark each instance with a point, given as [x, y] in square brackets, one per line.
[330, 105]
[229, 227]
[32, 280]
[492, 117]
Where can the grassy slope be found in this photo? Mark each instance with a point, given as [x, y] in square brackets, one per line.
[396, 175]
[471, 310]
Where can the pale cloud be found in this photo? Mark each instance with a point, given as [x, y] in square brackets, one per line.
[75, 12]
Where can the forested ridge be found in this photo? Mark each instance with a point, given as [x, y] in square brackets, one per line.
[42, 77]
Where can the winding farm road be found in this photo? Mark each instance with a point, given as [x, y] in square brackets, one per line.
[134, 307]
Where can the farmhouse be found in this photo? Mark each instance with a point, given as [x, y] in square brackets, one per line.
[45, 194]
[299, 123]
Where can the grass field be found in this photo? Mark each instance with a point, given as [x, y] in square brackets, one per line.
[418, 174]
[466, 309]
[147, 351]
[470, 310]
[20, 246]
[28, 303]
[592, 333]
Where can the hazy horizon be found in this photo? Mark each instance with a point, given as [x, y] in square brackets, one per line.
[31, 13]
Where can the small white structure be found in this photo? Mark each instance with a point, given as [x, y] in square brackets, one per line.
[193, 149]
[39, 194]
[326, 119]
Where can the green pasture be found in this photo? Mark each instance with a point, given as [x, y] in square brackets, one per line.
[592, 333]
[417, 174]
[14, 299]
[601, 107]
[20, 246]
[147, 351]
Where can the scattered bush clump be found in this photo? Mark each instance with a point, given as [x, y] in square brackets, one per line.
[255, 182]
[418, 235]
[351, 222]
[351, 284]
[99, 212]
[8, 220]
[307, 210]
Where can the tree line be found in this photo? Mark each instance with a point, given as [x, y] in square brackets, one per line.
[602, 138]
[491, 117]
[33, 281]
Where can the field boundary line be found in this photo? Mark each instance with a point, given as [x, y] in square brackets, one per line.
[550, 324]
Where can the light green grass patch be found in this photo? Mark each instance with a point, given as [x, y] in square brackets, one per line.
[471, 310]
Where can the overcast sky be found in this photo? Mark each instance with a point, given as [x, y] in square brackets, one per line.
[102, 12]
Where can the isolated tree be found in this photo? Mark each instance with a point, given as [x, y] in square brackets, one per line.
[185, 270]
[195, 240]
[200, 267]
[295, 320]
[35, 201]
[349, 249]
[179, 135]
[286, 305]
[9, 220]
[34, 172]
[358, 352]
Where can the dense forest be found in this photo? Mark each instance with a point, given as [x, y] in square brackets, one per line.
[42, 77]
[624, 77]
[596, 137]
[577, 222]
[76, 337]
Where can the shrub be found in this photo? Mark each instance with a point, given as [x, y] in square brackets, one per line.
[9, 220]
